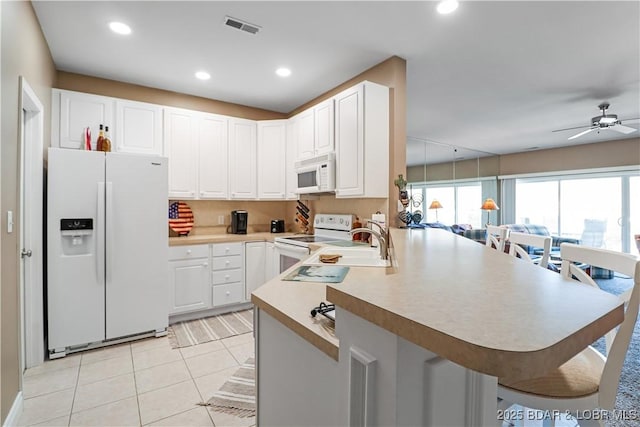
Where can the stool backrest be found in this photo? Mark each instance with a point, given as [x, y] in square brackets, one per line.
[535, 240]
[617, 342]
[496, 237]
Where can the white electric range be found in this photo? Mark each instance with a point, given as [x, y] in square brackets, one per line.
[327, 228]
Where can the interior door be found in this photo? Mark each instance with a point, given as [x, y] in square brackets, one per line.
[137, 245]
[31, 229]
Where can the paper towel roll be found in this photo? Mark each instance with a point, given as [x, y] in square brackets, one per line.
[380, 219]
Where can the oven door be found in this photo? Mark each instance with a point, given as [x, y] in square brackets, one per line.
[288, 255]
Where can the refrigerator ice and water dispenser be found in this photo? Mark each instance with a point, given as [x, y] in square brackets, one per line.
[77, 236]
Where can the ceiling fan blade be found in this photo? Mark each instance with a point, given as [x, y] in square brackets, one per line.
[577, 127]
[582, 133]
[623, 129]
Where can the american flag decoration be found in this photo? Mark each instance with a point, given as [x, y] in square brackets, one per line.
[180, 218]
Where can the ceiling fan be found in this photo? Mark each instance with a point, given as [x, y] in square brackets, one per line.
[604, 121]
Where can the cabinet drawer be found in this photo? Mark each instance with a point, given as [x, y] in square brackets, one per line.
[188, 252]
[222, 249]
[228, 294]
[227, 276]
[227, 262]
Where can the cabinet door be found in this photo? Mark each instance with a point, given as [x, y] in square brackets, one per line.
[181, 150]
[213, 168]
[139, 128]
[271, 262]
[291, 178]
[254, 266]
[242, 159]
[305, 134]
[272, 159]
[324, 127]
[349, 142]
[189, 284]
[78, 111]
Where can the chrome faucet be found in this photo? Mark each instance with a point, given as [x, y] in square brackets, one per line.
[382, 235]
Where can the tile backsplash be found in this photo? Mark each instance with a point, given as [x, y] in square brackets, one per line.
[207, 212]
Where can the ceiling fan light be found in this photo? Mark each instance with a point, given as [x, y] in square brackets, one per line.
[608, 120]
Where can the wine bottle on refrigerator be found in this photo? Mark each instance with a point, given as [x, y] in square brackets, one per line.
[106, 144]
[100, 140]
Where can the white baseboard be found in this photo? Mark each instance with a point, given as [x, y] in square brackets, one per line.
[15, 412]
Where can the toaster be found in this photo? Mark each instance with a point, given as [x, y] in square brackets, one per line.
[277, 225]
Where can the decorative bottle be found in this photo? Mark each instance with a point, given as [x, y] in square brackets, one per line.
[106, 144]
[100, 140]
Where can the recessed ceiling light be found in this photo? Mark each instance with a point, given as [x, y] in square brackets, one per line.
[447, 6]
[120, 28]
[283, 72]
[203, 75]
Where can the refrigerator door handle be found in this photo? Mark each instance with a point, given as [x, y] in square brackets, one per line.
[109, 230]
[100, 234]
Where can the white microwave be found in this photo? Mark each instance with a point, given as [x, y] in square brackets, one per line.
[317, 174]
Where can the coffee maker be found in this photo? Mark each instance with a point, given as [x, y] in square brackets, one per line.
[239, 221]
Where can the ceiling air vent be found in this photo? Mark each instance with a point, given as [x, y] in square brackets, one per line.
[241, 25]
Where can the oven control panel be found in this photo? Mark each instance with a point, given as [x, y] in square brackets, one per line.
[333, 222]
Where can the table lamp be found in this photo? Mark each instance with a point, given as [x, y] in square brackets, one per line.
[489, 205]
[435, 205]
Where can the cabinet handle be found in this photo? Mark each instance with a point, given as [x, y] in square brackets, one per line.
[228, 262]
[226, 249]
[188, 251]
[205, 264]
[228, 293]
[226, 277]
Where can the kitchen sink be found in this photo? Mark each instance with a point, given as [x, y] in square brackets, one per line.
[351, 257]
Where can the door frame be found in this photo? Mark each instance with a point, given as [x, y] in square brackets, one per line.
[31, 139]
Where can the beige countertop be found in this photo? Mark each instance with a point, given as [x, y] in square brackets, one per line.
[450, 295]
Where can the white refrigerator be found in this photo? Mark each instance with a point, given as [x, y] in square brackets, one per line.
[107, 247]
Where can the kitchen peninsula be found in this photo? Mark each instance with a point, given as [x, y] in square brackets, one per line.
[421, 342]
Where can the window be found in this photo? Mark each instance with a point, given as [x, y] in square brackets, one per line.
[590, 209]
[446, 197]
[460, 201]
[596, 208]
[537, 203]
[634, 213]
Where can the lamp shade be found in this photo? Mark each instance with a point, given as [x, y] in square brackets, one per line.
[489, 205]
[435, 205]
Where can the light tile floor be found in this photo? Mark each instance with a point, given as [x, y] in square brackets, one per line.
[141, 383]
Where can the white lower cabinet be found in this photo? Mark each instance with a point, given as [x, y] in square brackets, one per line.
[254, 266]
[227, 275]
[190, 285]
[271, 262]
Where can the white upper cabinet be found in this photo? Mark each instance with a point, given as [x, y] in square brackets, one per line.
[314, 130]
[72, 112]
[305, 134]
[213, 158]
[362, 141]
[242, 159]
[272, 135]
[323, 119]
[139, 128]
[291, 178]
[179, 135]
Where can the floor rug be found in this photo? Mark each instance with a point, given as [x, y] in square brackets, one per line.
[192, 332]
[237, 396]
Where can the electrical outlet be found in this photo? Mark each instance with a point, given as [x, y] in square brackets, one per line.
[220, 219]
